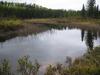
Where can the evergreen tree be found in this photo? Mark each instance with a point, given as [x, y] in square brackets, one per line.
[97, 11]
[83, 12]
[91, 7]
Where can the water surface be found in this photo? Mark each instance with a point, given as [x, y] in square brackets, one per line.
[51, 46]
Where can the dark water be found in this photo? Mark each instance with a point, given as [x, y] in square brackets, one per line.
[51, 46]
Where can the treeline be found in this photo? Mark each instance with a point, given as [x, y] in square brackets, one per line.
[91, 10]
[23, 10]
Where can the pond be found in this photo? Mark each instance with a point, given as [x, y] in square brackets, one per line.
[51, 46]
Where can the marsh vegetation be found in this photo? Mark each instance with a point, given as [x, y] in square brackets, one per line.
[50, 36]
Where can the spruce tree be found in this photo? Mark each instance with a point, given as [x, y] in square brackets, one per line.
[83, 12]
[91, 8]
[97, 11]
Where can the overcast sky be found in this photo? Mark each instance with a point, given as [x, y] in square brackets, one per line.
[57, 4]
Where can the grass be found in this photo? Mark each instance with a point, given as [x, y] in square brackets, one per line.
[10, 28]
[86, 21]
[9, 24]
[24, 67]
[13, 24]
[81, 23]
[15, 27]
[89, 64]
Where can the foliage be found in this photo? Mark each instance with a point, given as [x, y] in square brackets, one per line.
[10, 25]
[5, 68]
[92, 10]
[89, 64]
[51, 70]
[83, 11]
[23, 10]
[26, 67]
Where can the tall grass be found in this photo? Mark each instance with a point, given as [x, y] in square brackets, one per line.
[9, 24]
[89, 64]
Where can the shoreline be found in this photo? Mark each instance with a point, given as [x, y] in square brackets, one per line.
[12, 28]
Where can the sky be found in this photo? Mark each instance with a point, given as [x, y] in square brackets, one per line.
[57, 4]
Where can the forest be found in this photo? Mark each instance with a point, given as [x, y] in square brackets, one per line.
[23, 10]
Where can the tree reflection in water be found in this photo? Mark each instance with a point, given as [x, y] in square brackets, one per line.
[89, 37]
